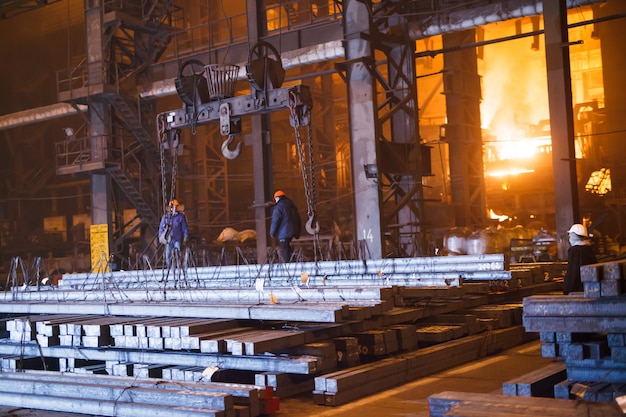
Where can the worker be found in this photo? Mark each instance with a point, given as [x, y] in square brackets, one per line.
[173, 231]
[286, 224]
[580, 253]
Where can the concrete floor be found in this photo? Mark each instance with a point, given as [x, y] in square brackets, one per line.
[410, 400]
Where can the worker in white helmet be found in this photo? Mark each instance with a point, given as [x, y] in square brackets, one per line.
[580, 253]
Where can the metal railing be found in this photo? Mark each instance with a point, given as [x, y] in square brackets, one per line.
[78, 151]
[296, 14]
[73, 78]
[208, 36]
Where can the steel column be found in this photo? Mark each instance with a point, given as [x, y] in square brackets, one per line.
[363, 127]
[98, 113]
[407, 184]
[463, 131]
[261, 144]
[561, 117]
[612, 38]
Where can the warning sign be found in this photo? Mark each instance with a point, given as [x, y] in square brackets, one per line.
[99, 238]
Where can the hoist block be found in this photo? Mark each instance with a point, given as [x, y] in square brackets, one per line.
[251, 104]
[228, 125]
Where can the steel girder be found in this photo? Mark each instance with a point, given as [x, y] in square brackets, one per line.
[463, 131]
[386, 161]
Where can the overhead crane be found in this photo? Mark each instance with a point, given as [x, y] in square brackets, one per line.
[208, 94]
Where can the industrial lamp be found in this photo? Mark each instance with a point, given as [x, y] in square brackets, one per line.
[371, 171]
[69, 133]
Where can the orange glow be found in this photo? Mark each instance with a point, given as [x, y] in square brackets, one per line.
[509, 172]
[514, 107]
[512, 153]
[516, 148]
[498, 217]
[599, 182]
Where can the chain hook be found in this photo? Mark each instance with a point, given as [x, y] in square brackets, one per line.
[294, 118]
[301, 116]
[309, 225]
[227, 152]
[168, 139]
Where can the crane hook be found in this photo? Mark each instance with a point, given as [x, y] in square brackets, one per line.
[309, 226]
[230, 154]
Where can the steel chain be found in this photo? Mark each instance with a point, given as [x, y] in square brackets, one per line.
[161, 128]
[307, 169]
[174, 167]
[313, 190]
[163, 139]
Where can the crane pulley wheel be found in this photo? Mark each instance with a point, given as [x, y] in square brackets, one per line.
[191, 84]
[264, 68]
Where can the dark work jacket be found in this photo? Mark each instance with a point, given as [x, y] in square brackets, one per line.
[577, 256]
[178, 222]
[286, 222]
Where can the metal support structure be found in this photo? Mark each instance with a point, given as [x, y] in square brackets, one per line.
[262, 169]
[463, 131]
[364, 129]
[261, 150]
[386, 157]
[245, 105]
[118, 49]
[404, 173]
[561, 117]
[98, 115]
[613, 62]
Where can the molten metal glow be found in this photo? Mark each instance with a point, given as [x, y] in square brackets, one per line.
[499, 217]
[509, 172]
[599, 182]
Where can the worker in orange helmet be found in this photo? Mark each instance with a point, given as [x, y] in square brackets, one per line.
[286, 224]
[173, 230]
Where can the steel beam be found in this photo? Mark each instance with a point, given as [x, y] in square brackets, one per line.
[251, 104]
[313, 313]
[262, 363]
[463, 131]
[326, 283]
[363, 129]
[468, 263]
[576, 324]
[561, 118]
[81, 405]
[210, 295]
[441, 22]
[123, 392]
[574, 306]
[243, 394]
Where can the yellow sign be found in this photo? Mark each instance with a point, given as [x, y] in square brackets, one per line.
[99, 238]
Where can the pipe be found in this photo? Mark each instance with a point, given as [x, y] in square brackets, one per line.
[39, 114]
[432, 53]
[440, 23]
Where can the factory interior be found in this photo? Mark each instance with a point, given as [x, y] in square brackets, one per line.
[437, 152]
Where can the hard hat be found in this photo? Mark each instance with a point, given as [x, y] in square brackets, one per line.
[174, 202]
[279, 193]
[579, 229]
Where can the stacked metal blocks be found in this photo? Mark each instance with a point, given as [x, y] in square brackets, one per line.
[587, 331]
